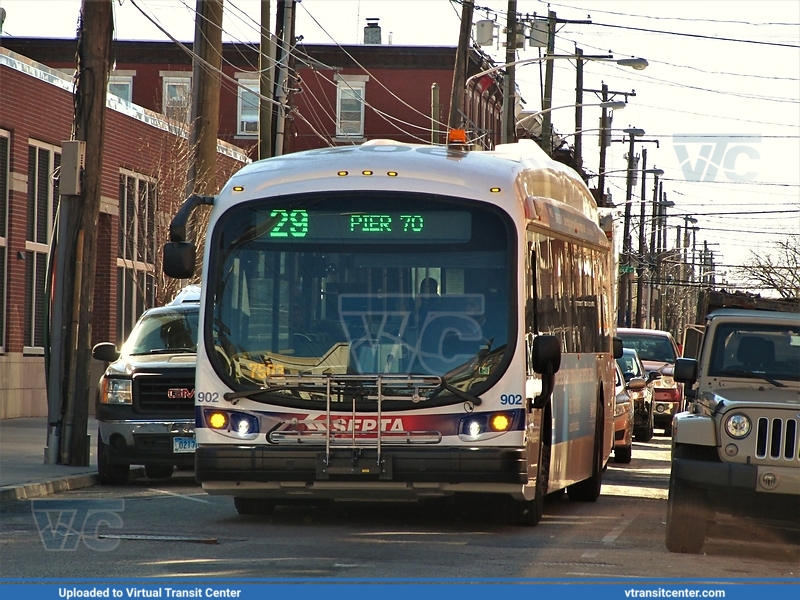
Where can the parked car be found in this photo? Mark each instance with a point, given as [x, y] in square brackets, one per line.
[623, 414]
[658, 352]
[145, 400]
[643, 412]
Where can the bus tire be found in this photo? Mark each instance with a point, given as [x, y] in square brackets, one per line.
[530, 512]
[253, 506]
[687, 518]
[107, 473]
[588, 490]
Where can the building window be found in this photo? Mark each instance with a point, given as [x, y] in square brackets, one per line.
[135, 250]
[121, 86]
[350, 105]
[248, 107]
[43, 162]
[4, 178]
[177, 98]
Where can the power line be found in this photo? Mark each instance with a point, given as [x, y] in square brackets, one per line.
[696, 35]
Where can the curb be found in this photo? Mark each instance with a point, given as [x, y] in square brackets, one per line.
[40, 489]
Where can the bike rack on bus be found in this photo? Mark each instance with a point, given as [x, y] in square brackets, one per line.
[358, 387]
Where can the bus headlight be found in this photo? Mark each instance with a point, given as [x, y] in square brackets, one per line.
[236, 424]
[116, 391]
[737, 426]
[475, 426]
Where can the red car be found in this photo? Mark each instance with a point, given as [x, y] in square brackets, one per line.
[658, 352]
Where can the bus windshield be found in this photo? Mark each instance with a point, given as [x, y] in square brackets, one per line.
[359, 284]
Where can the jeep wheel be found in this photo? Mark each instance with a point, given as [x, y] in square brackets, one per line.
[253, 506]
[107, 473]
[687, 518]
[158, 471]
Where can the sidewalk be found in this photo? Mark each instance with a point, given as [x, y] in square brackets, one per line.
[23, 473]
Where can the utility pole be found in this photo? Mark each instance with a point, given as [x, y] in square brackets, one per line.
[509, 133]
[283, 75]
[605, 136]
[640, 269]
[623, 319]
[94, 61]
[205, 97]
[579, 107]
[435, 117]
[547, 98]
[458, 92]
[266, 69]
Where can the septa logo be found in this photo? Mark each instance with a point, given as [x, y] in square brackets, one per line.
[358, 424]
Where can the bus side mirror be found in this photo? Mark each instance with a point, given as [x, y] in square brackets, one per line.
[546, 361]
[179, 259]
[546, 354]
[617, 347]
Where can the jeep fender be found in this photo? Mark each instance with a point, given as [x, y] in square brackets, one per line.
[697, 430]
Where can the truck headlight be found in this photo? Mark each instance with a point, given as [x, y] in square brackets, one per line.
[737, 426]
[116, 391]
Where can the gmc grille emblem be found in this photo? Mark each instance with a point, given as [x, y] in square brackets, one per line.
[176, 393]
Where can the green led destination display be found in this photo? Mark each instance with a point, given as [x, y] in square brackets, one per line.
[300, 225]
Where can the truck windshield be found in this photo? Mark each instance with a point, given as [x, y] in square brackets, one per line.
[164, 333]
[353, 284]
[650, 347]
[771, 351]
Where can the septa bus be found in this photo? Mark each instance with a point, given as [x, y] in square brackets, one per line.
[402, 322]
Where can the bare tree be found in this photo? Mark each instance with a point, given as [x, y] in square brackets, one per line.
[777, 269]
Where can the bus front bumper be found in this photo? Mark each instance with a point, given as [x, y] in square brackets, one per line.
[276, 471]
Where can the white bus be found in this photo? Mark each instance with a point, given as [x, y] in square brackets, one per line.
[394, 321]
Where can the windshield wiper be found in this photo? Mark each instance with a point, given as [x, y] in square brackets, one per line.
[454, 390]
[170, 351]
[753, 375]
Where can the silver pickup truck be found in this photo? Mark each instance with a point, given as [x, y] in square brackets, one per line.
[145, 401]
[736, 450]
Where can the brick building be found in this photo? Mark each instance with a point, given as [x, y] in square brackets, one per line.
[36, 115]
[338, 94]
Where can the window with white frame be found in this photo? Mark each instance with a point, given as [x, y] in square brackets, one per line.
[43, 162]
[120, 84]
[177, 97]
[4, 179]
[135, 249]
[350, 105]
[248, 107]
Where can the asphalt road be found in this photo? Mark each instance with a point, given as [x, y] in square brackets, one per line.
[173, 529]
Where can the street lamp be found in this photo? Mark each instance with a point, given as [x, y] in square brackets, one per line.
[524, 121]
[635, 63]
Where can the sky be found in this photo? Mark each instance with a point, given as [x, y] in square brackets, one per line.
[723, 81]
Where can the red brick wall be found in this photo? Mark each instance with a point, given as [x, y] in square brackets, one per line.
[34, 109]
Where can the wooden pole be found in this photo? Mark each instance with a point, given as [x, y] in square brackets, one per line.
[94, 56]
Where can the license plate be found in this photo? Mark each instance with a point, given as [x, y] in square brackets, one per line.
[183, 445]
